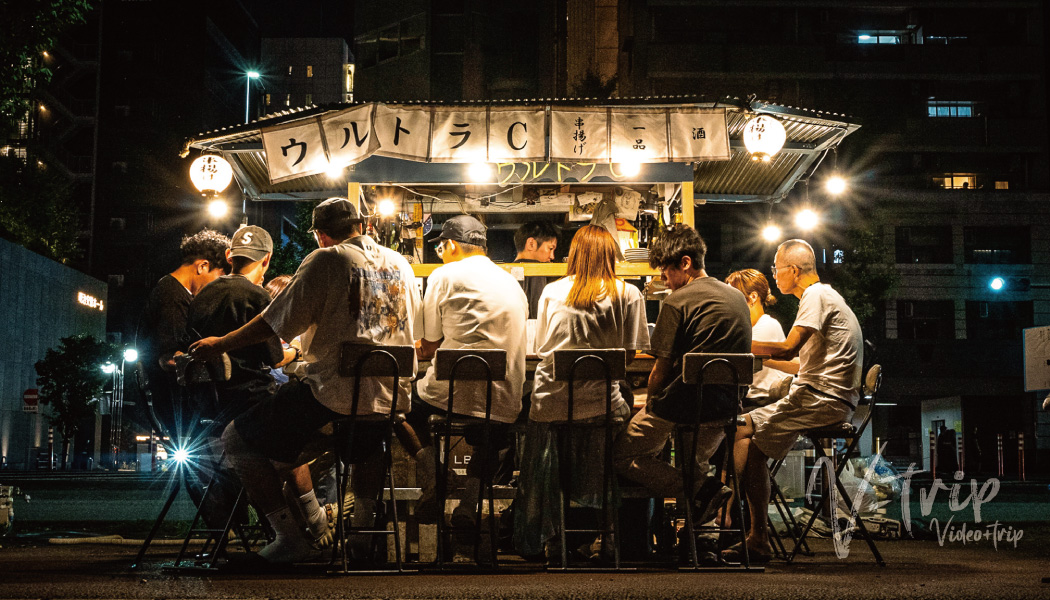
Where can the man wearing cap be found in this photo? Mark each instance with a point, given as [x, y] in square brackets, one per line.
[470, 302]
[349, 290]
[230, 302]
[219, 308]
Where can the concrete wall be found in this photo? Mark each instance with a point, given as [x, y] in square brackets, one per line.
[40, 306]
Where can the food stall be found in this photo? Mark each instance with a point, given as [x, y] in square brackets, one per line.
[409, 165]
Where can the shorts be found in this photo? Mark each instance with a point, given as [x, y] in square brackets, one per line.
[282, 426]
[778, 425]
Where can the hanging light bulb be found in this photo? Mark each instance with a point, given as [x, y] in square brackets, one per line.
[835, 185]
[771, 233]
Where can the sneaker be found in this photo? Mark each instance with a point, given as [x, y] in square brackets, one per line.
[287, 550]
[709, 499]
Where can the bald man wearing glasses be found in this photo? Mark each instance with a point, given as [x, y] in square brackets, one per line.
[827, 339]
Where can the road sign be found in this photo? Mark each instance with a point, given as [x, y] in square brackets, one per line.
[1037, 359]
[30, 400]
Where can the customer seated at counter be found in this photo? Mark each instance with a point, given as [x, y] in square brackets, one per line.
[701, 314]
[470, 302]
[588, 308]
[769, 383]
[826, 337]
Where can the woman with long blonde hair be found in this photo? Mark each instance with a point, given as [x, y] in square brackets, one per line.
[588, 308]
[769, 383]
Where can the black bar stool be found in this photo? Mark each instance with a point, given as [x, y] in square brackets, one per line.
[705, 369]
[588, 365]
[377, 361]
[466, 364]
[851, 434]
[215, 537]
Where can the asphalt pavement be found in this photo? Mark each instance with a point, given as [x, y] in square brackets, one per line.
[35, 568]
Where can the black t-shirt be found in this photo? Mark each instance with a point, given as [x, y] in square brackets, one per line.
[222, 306]
[162, 328]
[533, 286]
[704, 315]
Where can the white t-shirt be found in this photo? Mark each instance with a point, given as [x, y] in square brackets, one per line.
[355, 291]
[611, 324]
[472, 303]
[766, 329]
[831, 358]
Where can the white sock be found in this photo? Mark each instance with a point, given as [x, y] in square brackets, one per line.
[283, 523]
[289, 546]
[316, 518]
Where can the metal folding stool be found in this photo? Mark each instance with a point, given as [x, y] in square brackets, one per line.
[215, 535]
[715, 369]
[469, 364]
[381, 361]
[588, 365]
[852, 435]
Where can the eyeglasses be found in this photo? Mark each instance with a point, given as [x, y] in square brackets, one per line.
[773, 268]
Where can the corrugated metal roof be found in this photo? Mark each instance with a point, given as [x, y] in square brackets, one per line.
[810, 134]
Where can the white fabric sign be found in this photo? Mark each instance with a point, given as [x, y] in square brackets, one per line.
[507, 135]
[349, 135]
[579, 135]
[294, 150]
[699, 134]
[403, 131]
[459, 135]
[639, 135]
[517, 135]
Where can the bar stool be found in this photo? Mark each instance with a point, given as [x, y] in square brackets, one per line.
[588, 365]
[466, 364]
[216, 537]
[703, 369]
[377, 361]
[851, 434]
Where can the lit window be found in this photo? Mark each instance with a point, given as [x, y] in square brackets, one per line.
[309, 70]
[957, 181]
[881, 37]
[951, 108]
[309, 99]
[267, 99]
[945, 39]
[288, 100]
[1002, 185]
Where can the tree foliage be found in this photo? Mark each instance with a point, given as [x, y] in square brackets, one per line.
[70, 380]
[37, 211]
[868, 273]
[289, 255]
[28, 28]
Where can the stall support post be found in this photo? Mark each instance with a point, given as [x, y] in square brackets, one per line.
[687, 204]
[353, 194]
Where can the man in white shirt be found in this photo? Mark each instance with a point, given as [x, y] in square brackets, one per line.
[470, 302]
[349, 290]
[827, 339]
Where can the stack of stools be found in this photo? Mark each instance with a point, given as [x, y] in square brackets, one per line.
[466, 364]
[705, 369]
[573, 366]
[373, 361]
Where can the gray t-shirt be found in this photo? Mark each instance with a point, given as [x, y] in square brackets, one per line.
[830, 360]
[705, 315]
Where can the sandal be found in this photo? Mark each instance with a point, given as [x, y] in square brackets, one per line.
[735, 554]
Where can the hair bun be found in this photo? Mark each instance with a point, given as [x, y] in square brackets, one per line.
[770, 300]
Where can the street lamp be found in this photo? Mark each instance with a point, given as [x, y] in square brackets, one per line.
[248, 91]
[116, 425]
